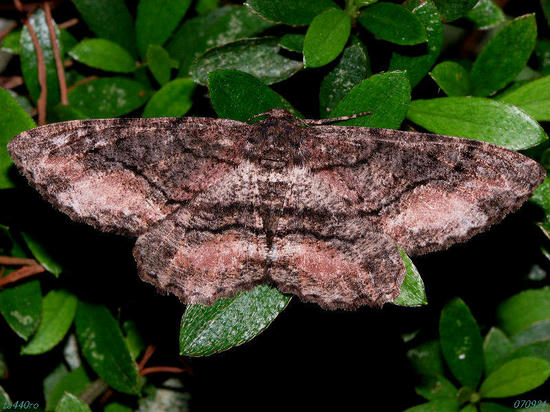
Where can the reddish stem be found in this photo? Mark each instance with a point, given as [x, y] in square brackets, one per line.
[42, 100]
[21, 273]
[161, 369]
[57, 55]
[16, 261]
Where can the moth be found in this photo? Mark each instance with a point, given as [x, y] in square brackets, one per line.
[319, 211]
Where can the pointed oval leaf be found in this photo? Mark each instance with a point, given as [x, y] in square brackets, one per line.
[505, 56]
[426, 359]
[393, 23]
[156, 20]
[70, 403]
[515, 377]
[229, 322]
[58, 310]
[438, 405]
[21, 305]
[535, 332]
[103, 54]
[412, 289]
[540, 349]
[29, 62]
[524, 309]
[42, 253]
[220, 26]
[108, 97]
[239, 96]
[495, 347]
[172, 100]
[352, 69]
[478, 118]
[453, 9]
[258, 57]
[533, 98]
[326, 37]
[437, 387]
[486, 14]
[293, 42]
[14, 120]
[417, 66]
[109, 19]
[461, 342]
[75, 382]
[452, 78]
[104, 347]
[292, 12]
[159, 63]
[386, 95]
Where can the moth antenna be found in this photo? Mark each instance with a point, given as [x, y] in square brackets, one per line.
[320, 122]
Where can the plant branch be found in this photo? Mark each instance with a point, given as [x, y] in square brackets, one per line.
[16, 261]
[161, 369]
[21, 273]
[57, 55]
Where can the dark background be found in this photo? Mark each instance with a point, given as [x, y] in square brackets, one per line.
[308, 358]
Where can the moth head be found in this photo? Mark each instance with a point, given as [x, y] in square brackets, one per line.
[274, 142]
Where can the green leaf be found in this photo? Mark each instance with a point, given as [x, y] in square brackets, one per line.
[477, 118]
[103, 54]
[535, 332]
[541, 196]
[159, 63]
[5, 400]
[417, 66]
[70, 403]
[386, 95]
[75, 382]
[65, 112]
[108, 97]
[259, 57]
[515, 377]
[14, 120]
[326, 37]
[437, 387]
[104, 347]
[53, 378]
[412, 289]
[292, 12]
[156, 20]
[21, 305]
[542, 51]
[42, 253]
[12, 42]
[220, 26]
[494, 407]
[426, 359]
[239, 96]
[172, 100]
[393, 23]
[453, 9]
[204, 6]
[461, 342]
[540, 349]
[352, 69]
[533, 98]
[229, 322]
[58, 310]
[524, 309]
[495, 347]
[133, 338]
[486, 14]
[505, 55]
[452, 78]
[469, 408]
[293, 42]
[29, 62]
[109, 19]
[439, 405]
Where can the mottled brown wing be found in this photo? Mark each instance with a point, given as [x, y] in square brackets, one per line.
[123, 175]
[425, 191]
